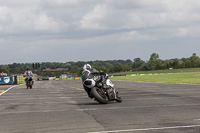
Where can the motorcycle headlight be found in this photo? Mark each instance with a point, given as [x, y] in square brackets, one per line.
[97, 78]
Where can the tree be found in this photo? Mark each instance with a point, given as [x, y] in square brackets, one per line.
[4, 68]
[195, 61]
[118, 67]
[137, 63]
[76, 71]
[154, 57]
[188, 63]
[126, 67]
[154, 61]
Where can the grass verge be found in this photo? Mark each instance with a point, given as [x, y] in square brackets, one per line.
[186, 77]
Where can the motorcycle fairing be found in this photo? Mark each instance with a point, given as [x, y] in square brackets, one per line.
[90, 83]
[109, 83]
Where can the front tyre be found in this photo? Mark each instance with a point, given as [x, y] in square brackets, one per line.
[99, 95]
[118, 98]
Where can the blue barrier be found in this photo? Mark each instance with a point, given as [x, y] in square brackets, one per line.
[6, 80]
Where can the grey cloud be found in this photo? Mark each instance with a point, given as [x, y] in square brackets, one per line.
[61, 16]
[75, 26]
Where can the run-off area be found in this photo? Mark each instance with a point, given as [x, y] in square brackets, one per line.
[63, 107]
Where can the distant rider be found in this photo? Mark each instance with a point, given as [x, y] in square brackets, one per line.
[28, 75]
[88, 73]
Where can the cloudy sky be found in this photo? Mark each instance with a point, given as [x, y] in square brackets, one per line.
[88, 30]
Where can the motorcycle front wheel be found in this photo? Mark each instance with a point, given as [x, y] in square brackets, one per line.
[99, 95]
[118, 99]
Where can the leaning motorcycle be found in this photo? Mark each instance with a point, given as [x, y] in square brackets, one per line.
[29, 82]
[101, 94]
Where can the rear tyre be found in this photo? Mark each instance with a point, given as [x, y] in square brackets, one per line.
[99, 95]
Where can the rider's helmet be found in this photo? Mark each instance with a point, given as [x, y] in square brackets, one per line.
[27, 68]
[87, 67]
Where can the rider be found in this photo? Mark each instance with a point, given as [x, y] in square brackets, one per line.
[29, 74]
[88, 73]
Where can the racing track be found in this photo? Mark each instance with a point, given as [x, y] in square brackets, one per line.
[63, 107]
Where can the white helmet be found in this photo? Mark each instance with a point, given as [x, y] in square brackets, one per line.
[86, 67]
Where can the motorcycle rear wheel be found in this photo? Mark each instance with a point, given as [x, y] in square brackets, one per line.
[97, 94]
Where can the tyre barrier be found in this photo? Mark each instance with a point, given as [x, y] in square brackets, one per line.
[20, 80]
[72, 78]
[143, 74]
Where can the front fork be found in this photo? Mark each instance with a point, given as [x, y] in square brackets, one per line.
[115, 93]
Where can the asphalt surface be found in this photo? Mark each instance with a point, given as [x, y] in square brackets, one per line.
[63, 107]
[3, 88]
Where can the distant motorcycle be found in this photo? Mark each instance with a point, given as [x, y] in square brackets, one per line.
[29, 82]
[101, 94]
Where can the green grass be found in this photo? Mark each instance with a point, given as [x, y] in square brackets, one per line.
[160, 71]
[183, 77]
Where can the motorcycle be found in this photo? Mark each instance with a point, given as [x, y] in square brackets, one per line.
[101, 94]
[29, 82]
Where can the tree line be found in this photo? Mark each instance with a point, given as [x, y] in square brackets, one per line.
[109, 66]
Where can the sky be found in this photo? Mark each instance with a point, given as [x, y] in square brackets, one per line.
[89, 30]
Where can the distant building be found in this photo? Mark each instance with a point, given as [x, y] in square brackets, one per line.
[62, 69]
[66, 76]
[49, 70]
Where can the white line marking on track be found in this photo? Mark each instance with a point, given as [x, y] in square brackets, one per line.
[77, 88]
[7, 90]
[147, 129]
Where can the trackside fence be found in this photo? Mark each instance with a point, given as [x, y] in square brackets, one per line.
[18, 79]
